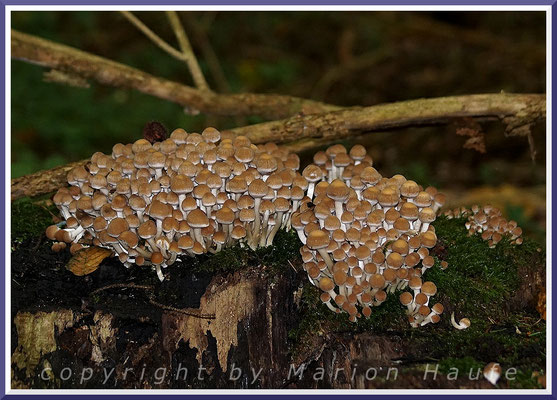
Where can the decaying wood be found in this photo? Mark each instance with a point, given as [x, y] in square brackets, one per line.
[516, 111]
[42, 182]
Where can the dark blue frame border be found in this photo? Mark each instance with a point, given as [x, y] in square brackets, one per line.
[427, 394]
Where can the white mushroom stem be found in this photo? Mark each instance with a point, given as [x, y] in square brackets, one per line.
[301, 235]
[427, 319]
[76, 233]
[311, 186]
[275, 229]
[173, 256]
[159, 227]
[264, 227]
[331, 307]
[460, 325]
[338, 209]
[143, 252]
[326, 258]
[198, 237]
[159, 272]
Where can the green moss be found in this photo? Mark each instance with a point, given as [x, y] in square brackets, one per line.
[29, 220]
[477, 284]
[276, 258]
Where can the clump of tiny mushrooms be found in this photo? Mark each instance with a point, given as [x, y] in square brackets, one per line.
[489, 223]
[364, 235]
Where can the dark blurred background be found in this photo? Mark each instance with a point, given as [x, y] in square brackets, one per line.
[344, 58]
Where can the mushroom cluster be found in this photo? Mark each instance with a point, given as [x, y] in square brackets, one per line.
[189, 194]
[489, 222]
[366, 236]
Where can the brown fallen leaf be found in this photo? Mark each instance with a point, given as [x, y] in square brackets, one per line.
[87, 260]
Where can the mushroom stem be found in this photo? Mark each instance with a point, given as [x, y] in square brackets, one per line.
[275, 229]
[338, 209]
[326, 258]
[159, 272]
[199, 238]
[311, 187]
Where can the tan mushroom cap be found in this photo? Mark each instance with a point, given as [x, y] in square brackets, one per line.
[117, 226]
[406, 298]
[337, 190]
[147, 230]
[317, 239]
[197, 219]
[429, 289]
[326, 284]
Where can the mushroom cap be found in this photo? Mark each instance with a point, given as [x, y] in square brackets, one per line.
[159, 210]
[131, 240]
[157, 258]
[117, 226]
[406, 298]
[438, 308]
[51, 232]
[337, 190]
[197, 219]
[429, 288]
[400, 246]
[317, 239]
[147, 230]
[428, 239]
[326, 284]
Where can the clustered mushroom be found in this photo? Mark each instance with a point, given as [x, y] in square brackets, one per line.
[189, 194]
[366, 236]
[489, 222]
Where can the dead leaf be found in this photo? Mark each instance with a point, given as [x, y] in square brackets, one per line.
[87, 260]
[473, 130]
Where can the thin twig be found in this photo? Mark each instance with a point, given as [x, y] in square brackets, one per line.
[199, 36]
[185, 46]
[149, 289]
[154, 37]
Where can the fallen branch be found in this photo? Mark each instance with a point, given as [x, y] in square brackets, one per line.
[67, 59]
[517, 111]
[42, 182]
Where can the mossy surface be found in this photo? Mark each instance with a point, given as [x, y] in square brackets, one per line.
[480, 284]
[29, 220]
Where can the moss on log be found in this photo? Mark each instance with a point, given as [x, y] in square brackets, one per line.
[67, 332]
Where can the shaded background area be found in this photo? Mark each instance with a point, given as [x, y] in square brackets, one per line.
[349, 58]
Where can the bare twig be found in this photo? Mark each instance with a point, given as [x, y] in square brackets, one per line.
[149, 289]
[107, 72]
[208, 53]
[154, 37]
[185, 46]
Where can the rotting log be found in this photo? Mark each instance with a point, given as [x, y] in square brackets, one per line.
[266, 323]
